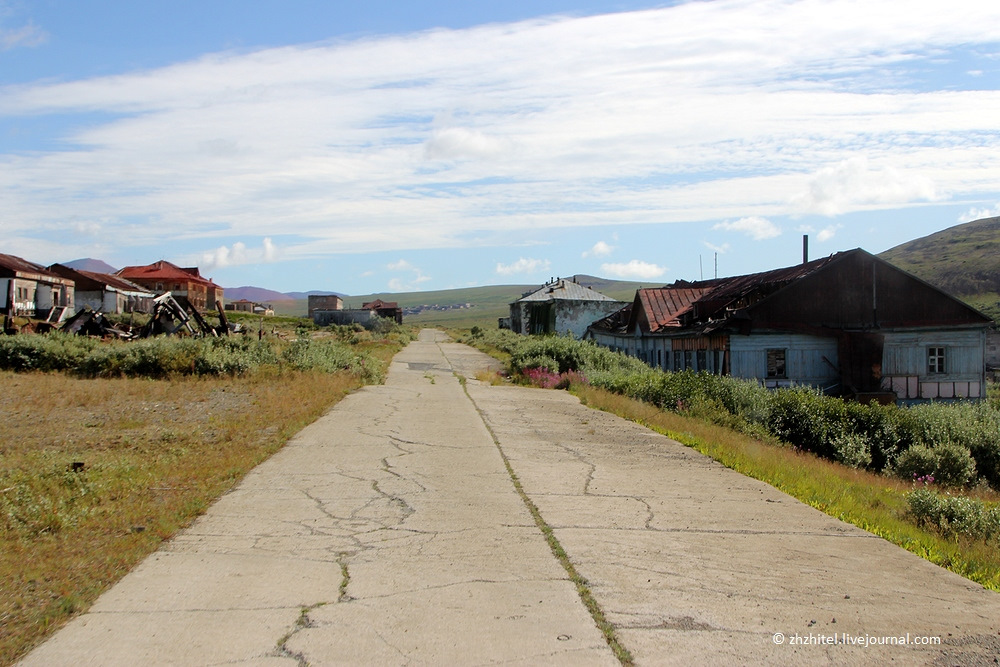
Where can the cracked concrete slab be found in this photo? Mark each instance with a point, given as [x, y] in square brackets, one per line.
[387, 532]
[694, 563]
[390, 532]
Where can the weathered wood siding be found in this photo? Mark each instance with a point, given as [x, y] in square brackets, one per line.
[905, 369]
[809, 360]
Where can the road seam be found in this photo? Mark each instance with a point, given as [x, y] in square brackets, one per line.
[607, 629]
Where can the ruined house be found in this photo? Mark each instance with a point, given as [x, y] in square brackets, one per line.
[30, 290]
[105, 292]
[389, 310]
[560, 306]
[162, 276]
[850, 324]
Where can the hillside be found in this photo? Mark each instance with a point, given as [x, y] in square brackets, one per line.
[963, 260]
[89, 264]
[465, 306]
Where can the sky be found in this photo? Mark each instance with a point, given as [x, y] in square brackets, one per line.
[387, 145]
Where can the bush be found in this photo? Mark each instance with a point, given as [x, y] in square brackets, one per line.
[949, 464]
[955, 515]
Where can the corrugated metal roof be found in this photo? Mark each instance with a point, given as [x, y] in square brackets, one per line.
[567, 290]
[664, 306]
[16, 264]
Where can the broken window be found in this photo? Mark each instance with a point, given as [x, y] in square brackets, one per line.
[776, 363]
[935, 360]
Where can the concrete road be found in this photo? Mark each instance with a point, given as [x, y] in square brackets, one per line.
[390, 532]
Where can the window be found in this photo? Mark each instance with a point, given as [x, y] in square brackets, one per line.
[688, 359]
[702, 360]
[776, 363]
[935, 360]
[677, 360]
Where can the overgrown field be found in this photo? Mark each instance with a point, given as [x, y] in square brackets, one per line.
[103, 462]
[942, 460]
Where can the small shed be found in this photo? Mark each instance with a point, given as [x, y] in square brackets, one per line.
[560, 306]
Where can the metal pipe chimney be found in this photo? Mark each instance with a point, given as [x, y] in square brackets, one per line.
[805, 248]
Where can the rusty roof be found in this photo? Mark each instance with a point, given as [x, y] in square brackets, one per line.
[379, 304]
[14, 266]
[664, 306]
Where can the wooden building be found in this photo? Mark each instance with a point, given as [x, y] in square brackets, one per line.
[105, 292]
[850, 324]
[30, 290]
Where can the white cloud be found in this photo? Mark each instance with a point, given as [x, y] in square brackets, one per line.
[721, 249]
[406, 284]
[523, 265]
[460, 142]
[401, 265]
[26, 36]
[600, 249]
[827, 233]
[755, 227]
[979, 213]
[853, 184]
[238, 254]
[634, 269]
[442, 138]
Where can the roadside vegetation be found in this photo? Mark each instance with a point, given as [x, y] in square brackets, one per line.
[109, 448]
[926, 477]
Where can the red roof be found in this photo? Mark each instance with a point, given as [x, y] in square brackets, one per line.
[664, 306]
[165, 271]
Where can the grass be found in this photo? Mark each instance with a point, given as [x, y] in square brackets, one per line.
[154, 455]
[872, 502]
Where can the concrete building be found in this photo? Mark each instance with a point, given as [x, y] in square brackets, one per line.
[30, 290]
[560, 306]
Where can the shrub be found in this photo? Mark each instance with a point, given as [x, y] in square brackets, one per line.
[955, 514]
[949, 464]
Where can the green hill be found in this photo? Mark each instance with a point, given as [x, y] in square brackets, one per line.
[463, 307]
[963, 260]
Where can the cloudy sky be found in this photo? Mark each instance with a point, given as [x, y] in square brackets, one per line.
[410, 145]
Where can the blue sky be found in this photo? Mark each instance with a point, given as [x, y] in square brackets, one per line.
[364, 147]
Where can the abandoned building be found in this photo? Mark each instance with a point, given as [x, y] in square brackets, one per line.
[329, 309]
[560, 306]
[162, 276]
[390, 310]
[850, 324]
[324, 302]
[30, 290]
[105, 292]
[248, 306]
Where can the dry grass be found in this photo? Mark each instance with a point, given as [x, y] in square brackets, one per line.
[873, 502]
[154, 455]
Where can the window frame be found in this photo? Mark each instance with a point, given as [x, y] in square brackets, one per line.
[937, 360]
[776, 363]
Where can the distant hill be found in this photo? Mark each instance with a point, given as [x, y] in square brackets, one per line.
[255, 294]
[306, 295]
[88, 264]
[461, 307]
[963, 260]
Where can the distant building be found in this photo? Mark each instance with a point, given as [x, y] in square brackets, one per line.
[105, 292]
[30, 290]
[162, 276]
[324, 302]
[390, 310]
[560, 306]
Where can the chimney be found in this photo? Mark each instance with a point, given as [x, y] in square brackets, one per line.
[805, 248]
